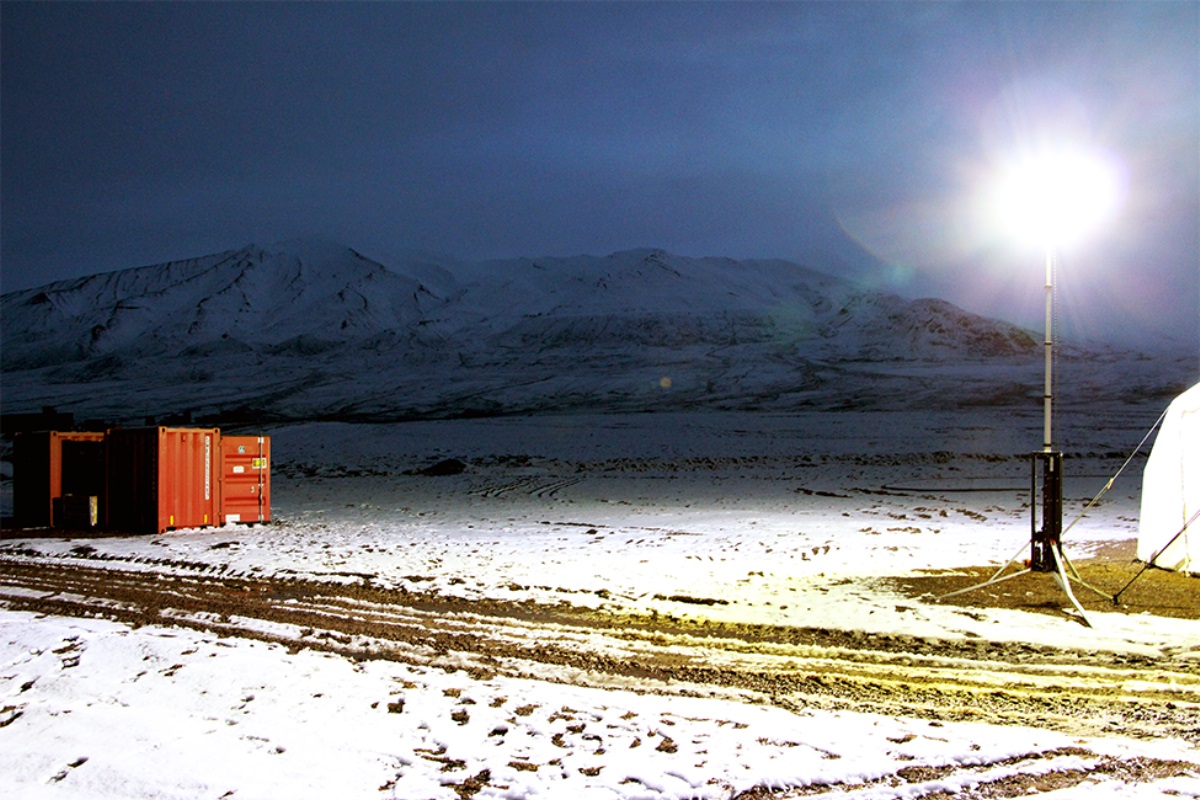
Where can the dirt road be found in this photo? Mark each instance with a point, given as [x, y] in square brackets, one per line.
[1080, 693]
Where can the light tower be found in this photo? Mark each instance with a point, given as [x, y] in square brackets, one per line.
[1052, 195]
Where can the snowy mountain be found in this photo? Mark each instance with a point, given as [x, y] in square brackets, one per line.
[315, 330]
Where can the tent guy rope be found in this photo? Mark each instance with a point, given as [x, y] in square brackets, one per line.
[1154, 557]
[1117, 474]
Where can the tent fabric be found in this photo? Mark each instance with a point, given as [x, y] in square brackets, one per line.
[1171, 488]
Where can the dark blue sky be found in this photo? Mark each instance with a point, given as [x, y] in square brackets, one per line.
[854, 137]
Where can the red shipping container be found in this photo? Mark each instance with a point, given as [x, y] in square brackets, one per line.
[245, 479]
[50, 464]
[162, 478]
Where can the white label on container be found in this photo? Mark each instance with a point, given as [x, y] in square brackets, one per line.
[239, 468]
[233, 517]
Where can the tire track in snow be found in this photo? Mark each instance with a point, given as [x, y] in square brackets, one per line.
[1001, 683]
[532, 486]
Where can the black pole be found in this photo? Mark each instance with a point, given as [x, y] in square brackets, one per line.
[1041, 557]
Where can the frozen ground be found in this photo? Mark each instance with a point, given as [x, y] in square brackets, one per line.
[95, 709]
[749, 518]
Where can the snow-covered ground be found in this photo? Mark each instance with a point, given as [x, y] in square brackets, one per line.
[766, 518]
[767, 513]
[94, 709]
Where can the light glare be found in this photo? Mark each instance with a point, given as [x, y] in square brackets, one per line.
[1056, 197]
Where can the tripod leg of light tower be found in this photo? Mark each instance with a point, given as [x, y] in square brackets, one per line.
[1065, 583]
[1075, 576]
[994, 579]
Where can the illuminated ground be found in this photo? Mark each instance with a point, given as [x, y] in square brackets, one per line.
[730, 560]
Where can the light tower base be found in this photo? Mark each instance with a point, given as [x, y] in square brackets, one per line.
[1045, 543]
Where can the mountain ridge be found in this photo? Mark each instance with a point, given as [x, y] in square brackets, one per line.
[315, 329]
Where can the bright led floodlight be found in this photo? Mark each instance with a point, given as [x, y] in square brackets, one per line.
[1055, 196]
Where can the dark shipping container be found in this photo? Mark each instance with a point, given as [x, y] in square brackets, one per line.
[162, 478]
[245, 479]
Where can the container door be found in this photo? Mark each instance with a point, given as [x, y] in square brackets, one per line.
[82, 473]
[245, 479]
[187, 490]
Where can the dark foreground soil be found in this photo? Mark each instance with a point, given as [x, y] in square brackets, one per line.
[1110, 571]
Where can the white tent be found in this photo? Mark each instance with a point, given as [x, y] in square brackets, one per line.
[1171, 489]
